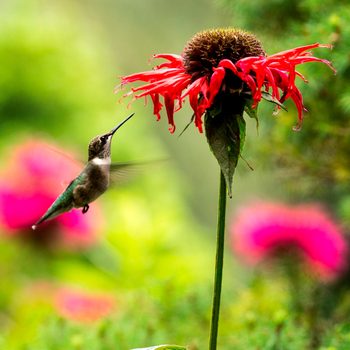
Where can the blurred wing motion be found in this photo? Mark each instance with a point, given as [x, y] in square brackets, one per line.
[123, 172]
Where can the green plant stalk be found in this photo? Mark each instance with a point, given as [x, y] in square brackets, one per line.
[220, 242]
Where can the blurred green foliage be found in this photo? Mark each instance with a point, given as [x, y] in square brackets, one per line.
[59, 64]
[46, 72]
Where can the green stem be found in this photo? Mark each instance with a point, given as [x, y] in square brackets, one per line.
[220, 242]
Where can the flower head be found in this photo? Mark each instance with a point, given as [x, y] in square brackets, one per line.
[262, 229]
[33, 178]
[220, 61]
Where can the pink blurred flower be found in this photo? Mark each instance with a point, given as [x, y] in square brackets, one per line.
[33, 177]
[83, 307]
[261, 229]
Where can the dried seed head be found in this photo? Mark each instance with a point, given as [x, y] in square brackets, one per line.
[206, 49]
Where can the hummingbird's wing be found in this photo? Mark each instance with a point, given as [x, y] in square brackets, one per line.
[122, 172]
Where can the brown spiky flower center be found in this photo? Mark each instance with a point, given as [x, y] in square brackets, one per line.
[206, 49]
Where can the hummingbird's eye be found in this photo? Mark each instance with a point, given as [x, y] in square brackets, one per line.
[103, 139]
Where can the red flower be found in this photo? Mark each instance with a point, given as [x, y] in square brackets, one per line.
[262, 229]
[206, 67]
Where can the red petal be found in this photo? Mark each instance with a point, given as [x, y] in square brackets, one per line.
[215, 83]
[157, 106]
[169, 105]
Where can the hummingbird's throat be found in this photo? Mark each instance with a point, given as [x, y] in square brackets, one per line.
[101, 161]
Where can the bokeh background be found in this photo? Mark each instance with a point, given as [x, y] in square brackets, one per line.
[137, 269]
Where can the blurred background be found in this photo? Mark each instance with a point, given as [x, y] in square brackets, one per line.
[137, 269]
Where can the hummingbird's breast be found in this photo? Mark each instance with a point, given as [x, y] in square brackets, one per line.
[94, 182]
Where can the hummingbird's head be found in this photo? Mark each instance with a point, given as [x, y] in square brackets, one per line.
[100, 146]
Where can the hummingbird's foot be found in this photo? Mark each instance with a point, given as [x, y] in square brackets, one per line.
[85, 208]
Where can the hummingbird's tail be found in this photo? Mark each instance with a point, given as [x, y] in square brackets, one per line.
[48, 215]
[38, 223]
[56, 209]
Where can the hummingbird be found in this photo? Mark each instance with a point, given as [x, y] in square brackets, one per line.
[93, 180]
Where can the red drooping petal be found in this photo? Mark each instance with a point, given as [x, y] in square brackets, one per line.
[215, 83]
[157, 106]
[203, 104]
[169, 105]
[270, 82]
[193, 92]
[197, 92]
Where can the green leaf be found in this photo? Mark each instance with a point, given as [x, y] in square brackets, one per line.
[225, 132]
[242, 128]
[268, 97]
[163, 347]
[252, 112]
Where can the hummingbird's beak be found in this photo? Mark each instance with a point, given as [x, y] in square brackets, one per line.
[119, 125]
